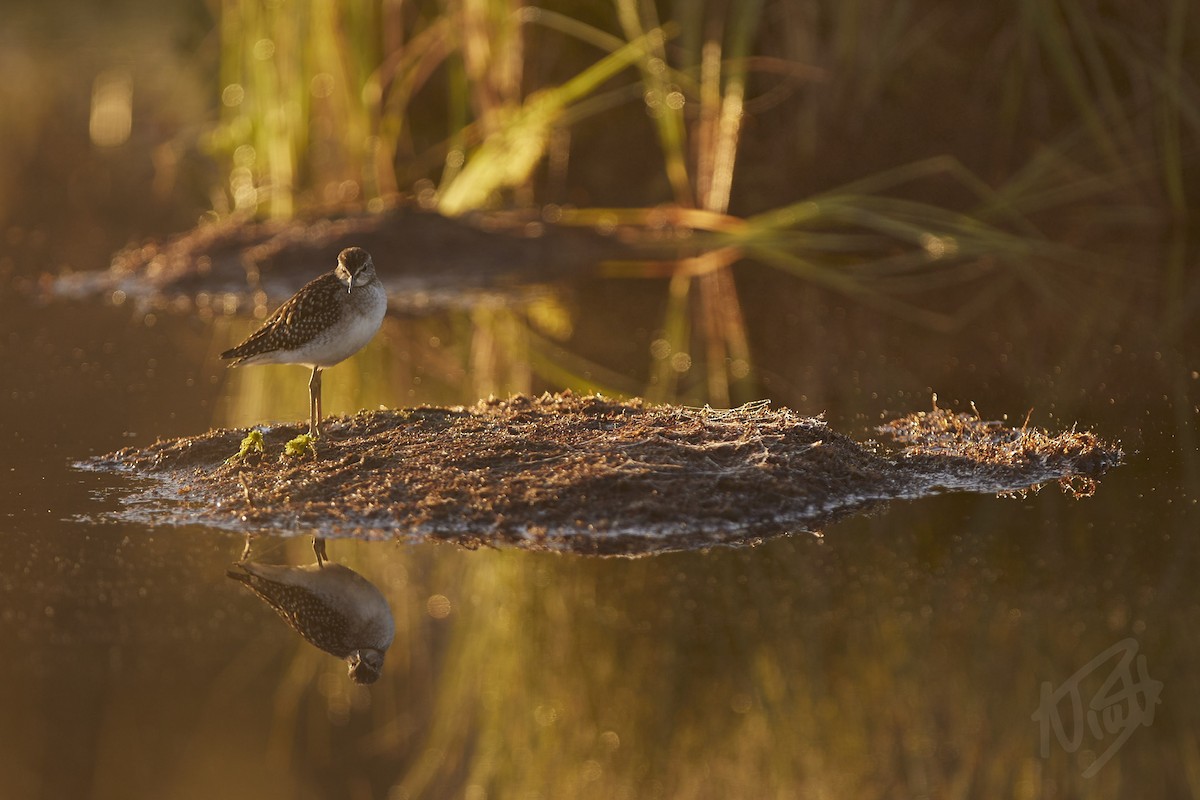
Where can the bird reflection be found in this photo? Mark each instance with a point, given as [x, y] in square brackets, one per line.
[330, 605]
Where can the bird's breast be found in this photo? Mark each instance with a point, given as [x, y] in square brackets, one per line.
[358, 324]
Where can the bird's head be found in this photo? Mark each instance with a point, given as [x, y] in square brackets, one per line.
[355, 268]
[365, 665]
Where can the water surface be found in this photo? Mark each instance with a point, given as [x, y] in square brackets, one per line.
[898, 654]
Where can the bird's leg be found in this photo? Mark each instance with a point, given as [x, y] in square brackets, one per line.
[246, 549]
[319, 550]
[314, 403]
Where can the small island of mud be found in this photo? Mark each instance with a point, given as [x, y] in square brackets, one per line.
[591, 474]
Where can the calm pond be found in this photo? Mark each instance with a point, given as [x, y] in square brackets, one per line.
[908, 653]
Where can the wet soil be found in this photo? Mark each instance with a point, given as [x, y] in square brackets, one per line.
[590, 474]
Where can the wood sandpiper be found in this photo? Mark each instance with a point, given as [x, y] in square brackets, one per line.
[326, 322]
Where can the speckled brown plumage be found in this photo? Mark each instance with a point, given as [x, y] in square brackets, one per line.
[307, 613]
[331, 606]
[315, 308]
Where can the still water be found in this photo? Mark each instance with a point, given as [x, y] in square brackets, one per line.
[906, 654]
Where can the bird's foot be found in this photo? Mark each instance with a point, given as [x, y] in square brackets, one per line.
[319, 550]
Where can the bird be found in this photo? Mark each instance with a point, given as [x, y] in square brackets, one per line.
[331, 606]
[330, 319]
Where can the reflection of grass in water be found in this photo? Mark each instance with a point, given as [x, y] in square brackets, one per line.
[702, 297]
[538, 698]
[875, 664]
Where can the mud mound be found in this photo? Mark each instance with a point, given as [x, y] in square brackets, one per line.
[423, 258]
[590, 474]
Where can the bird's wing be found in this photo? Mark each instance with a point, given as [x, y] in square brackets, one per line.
[285, 318]
[309, 614]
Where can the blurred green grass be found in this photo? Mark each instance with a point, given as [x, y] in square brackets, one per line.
[382, 96]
